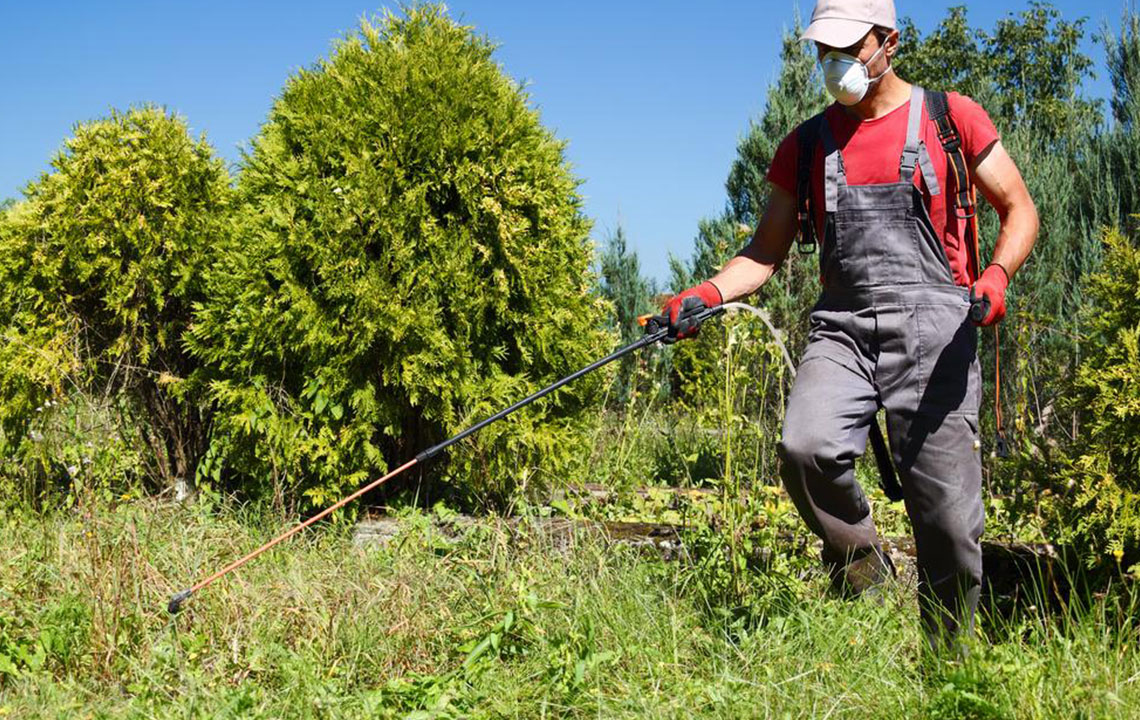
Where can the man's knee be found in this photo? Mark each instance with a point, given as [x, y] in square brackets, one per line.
[802, 445]
[807, 445]
[818, 470]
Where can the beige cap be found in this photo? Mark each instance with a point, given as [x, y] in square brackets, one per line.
[841, 23]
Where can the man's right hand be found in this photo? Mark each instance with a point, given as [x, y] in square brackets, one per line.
[682, 309]
[742, 275]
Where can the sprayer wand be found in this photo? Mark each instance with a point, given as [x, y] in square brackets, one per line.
[649, 339]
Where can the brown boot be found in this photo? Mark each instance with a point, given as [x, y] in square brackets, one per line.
[863, 576]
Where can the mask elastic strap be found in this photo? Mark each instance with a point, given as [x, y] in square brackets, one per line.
[871, 59]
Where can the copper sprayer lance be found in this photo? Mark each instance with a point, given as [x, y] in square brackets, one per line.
[655, 334]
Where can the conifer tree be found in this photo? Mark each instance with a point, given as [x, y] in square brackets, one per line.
[101, 265]
[796, 95]
[630, 294]
[413, 257]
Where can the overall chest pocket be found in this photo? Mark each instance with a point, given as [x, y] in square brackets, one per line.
[874, 247]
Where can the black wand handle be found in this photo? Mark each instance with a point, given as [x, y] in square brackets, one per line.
[979, 308]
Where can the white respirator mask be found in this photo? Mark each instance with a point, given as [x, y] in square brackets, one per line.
[846, 76]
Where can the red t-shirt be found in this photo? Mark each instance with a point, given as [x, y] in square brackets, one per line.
[871, 151]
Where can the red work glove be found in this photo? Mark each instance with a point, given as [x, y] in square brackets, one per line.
[987, 297]
[682, 308]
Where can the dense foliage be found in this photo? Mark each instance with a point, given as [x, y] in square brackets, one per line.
[413, 256]
[100, 266]
[1109, 176]
[1027, 72]
[1099, 505]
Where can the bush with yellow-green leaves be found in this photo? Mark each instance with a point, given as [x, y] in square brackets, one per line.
[1099, 512]
[413, 257]
[100, 267]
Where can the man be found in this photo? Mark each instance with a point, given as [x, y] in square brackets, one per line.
[891, 329]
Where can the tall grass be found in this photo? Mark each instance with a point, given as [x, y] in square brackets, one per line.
[499, 623]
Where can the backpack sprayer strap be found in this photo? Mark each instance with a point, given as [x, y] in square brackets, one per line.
[807, 136]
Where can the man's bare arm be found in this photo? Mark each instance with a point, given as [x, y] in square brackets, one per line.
[1001, 183]
[756, 263]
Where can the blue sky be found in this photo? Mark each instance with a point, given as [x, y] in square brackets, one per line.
[652, 96]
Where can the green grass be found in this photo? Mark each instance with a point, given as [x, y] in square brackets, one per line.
[496, 624]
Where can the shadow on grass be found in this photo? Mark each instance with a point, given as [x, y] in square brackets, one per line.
[1026, 589]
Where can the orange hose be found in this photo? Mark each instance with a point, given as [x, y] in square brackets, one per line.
[997, 382]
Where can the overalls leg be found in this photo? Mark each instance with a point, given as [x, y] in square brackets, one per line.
[825, 429]
[933, 428]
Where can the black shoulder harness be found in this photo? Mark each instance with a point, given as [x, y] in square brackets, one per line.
[939, 109]
[808, 136]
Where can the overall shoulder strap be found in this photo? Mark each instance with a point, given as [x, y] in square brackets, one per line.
[807, 136]
[910, 149]
[915, 155]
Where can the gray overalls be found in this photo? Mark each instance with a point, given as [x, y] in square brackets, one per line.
[890, 330]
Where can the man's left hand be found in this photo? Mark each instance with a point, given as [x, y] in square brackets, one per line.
[990, 288]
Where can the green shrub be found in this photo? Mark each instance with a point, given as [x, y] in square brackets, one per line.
[1101, 513]
[413, 257]
[100, 266]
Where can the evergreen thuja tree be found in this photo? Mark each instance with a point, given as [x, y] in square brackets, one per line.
[413, 256]
[100, 266]
[1123, 58]
[1098, 493]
